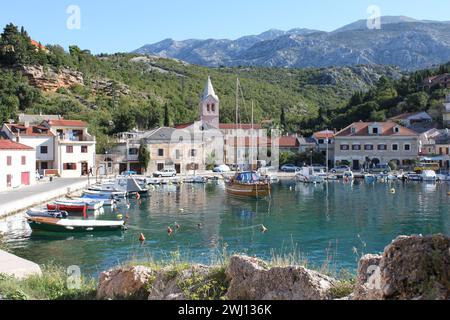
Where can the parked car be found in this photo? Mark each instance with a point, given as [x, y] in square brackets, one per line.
[166, 173]
[340, 169]
[222, 168]
[290, 168]
[380, 168]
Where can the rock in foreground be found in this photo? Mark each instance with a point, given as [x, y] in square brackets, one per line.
[411, 268]
[251, 279]
[124, 283]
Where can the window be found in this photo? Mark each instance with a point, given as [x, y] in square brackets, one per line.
[177, 154]
[407, 147]
[84, 149]
[368, 147]
[8, 160]
[321, 141]
[8, 181]
[213, 107]
[396, 129]
[69, 149]
[375, 130]
[395, 147]
[208, 107]
[193, 153]
[70, 166]
[160, 152]
[353, 130]
[24, 160]
[356, 147]
[44, 165]
[382, 147]
[344, 147]
[133, 151]
[44, 149]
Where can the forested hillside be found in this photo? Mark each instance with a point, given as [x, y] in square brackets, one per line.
[120, 92]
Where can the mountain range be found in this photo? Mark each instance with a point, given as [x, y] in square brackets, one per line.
[404, 42]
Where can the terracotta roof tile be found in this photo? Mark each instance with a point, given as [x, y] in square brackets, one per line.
[67, 123]
[6, 144]
[387, 129]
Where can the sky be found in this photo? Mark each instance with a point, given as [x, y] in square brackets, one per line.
[109, 26]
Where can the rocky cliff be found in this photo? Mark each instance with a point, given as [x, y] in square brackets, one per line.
[48, 79]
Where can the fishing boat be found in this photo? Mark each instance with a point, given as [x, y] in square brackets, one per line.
[308, 175]
[108, 200]
[70, 225]
[248, 184]
[47, 213]
[370, 178]
[75, 205]
[116, 194]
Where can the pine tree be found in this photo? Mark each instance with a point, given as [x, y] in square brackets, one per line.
[166, 115]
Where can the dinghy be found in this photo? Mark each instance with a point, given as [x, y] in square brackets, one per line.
[75, 205]
[69, 225]
[47, 213]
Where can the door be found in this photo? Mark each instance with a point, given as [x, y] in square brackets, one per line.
[25, 178]
[84, 169]
[160, 166]
[8, 181]
[178, 168]
[355, 164]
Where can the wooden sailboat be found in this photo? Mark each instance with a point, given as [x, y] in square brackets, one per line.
[247, 183]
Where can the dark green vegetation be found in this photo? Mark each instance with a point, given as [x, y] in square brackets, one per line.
[124, 91]
[390, 98]
[52, 285]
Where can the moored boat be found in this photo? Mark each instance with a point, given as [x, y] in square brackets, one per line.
[47, 213]
[69, 225]
[75, 205]
[248, 184]
[308, 175]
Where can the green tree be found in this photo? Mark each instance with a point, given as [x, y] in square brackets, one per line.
[417, 101]
[144, 156]
[166, 115]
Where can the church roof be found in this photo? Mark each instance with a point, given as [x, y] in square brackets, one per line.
[209, 90]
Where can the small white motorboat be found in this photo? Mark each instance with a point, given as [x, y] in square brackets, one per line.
[308, 175]
[429, 176]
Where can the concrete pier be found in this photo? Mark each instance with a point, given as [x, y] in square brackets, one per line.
[17, 267]
[14, 201]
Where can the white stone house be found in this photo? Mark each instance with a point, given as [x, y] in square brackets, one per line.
[74, 147]
[39, 138]
[17, 165]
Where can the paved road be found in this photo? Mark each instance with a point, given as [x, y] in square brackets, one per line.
[24, 197]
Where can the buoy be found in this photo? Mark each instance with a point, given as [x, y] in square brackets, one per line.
[142, 237]
[119, 216]
[128, 205]
[393, 191]
[448, 193]
[169, 231]
[138, 196]
[199, 225]
[264, 229]
[177, 226]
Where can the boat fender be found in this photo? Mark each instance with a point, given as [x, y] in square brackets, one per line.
[393, 191]
[141, 237]
[119, 216]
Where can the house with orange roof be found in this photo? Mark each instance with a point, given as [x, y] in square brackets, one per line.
[18, 165]
[74, 147]
[39, 138]
[364, 144]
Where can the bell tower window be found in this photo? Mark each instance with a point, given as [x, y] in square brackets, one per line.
[208, 107]
[213, 107]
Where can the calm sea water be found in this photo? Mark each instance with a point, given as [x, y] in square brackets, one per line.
[334, 221]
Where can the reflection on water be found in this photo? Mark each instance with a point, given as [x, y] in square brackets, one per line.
[317, 219]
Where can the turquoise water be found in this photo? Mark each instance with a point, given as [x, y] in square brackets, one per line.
[335, 221]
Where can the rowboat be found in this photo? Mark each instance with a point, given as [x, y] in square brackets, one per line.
[47, 213]
[69, 225]
[248, 184]
[118, 194]
[108, 200]
[75, 205]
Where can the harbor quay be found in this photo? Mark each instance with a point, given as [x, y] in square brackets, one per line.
[15, 201]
